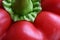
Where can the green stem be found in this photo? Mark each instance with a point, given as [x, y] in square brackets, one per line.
[22, 7]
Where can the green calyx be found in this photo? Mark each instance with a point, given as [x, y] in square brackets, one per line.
[22, 9]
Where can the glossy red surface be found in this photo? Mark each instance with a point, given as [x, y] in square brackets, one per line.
[5, 21]
[49, 23]
[51, 5]
[24, 30]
